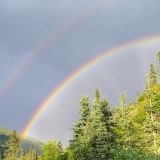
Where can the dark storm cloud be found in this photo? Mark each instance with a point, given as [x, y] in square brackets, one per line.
[26, 23]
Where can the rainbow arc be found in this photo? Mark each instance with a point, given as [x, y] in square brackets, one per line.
[79, 72]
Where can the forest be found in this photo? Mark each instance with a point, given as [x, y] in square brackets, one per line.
[128, 131]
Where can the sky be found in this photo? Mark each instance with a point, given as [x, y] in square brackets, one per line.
[43, 41]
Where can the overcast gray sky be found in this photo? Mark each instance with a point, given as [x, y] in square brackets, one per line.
[98, 26]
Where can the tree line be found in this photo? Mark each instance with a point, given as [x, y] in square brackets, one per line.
[124, 132]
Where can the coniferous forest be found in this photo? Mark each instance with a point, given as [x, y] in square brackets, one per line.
[129, 131]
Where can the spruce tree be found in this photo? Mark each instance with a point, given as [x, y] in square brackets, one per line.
[108, 119]
[13, 147]
[119, 120]
[97, 98]
[96, 133]
[152, 75]
[123, 127]
[78, 143]
[152, 108]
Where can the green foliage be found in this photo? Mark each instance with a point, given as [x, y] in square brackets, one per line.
[31, 155]
[132, 154]
[128, 131]
[152, 75]
[78, 144]
[3, 144]
[67, 154]
[94, 138]
[26, 144]
[13, 147]
[51, 151]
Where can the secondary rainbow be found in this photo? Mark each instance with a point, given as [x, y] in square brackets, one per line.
[45, 43]
[78, 72]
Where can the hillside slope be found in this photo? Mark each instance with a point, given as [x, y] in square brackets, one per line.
[26, 144]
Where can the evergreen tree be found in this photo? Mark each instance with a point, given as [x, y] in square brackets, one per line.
[97, 99]
[120, 119]
[96, 131]
[108, 119]
[13, 147]
[78, 144]
[152, 75]
[124, 126]
[152, 108]
[135, 117]
[93, 133]
[84, 110]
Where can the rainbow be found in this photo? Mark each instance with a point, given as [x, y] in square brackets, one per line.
[44, 44]
[78, 72]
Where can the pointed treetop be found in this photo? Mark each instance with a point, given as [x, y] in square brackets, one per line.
[97, 95]
[152, 75]
[152, 68]
[149, 83]
[84, 109]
